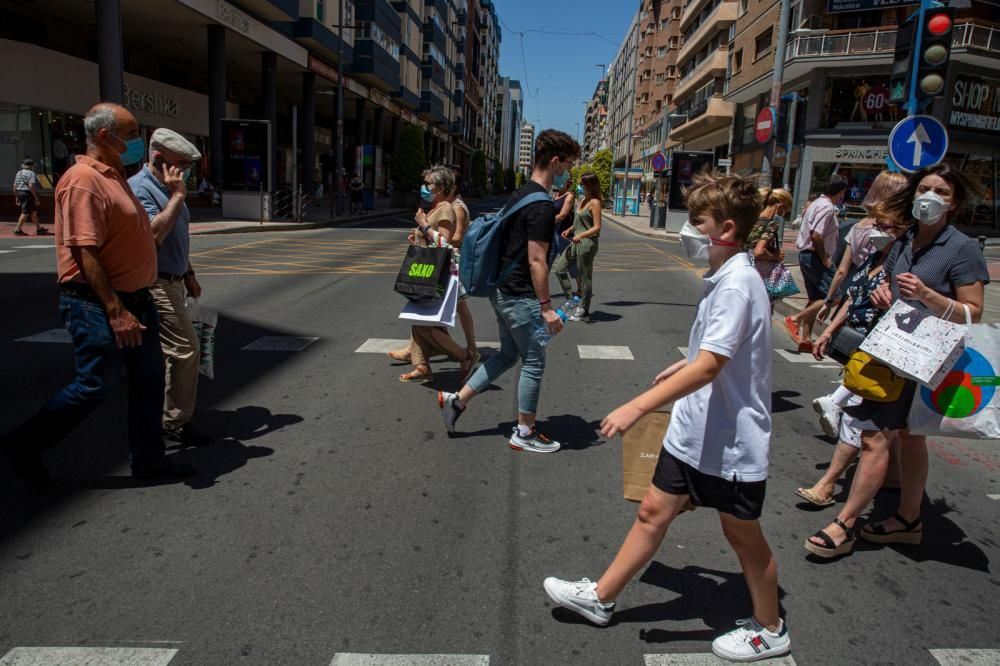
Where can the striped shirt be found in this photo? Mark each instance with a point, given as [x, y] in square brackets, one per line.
[950, 261]
[24, 180]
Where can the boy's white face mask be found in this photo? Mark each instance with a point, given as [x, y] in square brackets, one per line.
[695, 243]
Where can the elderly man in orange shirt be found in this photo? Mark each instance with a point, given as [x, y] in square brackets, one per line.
[106, 260]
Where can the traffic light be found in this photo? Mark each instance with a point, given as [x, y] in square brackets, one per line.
[935, 51]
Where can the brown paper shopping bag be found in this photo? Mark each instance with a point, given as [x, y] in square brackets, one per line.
[641, 447]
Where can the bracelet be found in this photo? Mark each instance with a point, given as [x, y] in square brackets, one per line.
[545, 302]
[949, 310]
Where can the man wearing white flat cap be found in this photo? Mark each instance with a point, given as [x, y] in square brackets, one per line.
[160, 187]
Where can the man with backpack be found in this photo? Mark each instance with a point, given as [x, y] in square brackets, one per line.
[518, 243]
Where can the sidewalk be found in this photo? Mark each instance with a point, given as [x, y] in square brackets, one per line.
[790, 306]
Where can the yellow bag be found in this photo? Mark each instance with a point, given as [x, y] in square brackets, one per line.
[866, 377]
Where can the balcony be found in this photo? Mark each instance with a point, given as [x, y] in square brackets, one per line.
[691, 12]
[712, 114]
[432, 107]
[720, 19]
[714, 66]
[273, 10]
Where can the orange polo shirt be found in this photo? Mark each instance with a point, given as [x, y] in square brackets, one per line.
[95, 207]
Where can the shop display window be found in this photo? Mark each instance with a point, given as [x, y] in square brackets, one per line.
[862, 102]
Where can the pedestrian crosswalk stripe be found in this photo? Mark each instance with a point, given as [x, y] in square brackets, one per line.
[994, 497]
[358, 659]
[800, 357]
[703, 659]
[7, 251]
[385, 345]
[967, 657]
[605, 352]
[284, 343]
[33, 247]
[51, 335]
[87, 656]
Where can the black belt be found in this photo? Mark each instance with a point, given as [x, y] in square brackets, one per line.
[83, 291]
[170, 277]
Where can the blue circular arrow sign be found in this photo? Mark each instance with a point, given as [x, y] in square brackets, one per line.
[918, 142]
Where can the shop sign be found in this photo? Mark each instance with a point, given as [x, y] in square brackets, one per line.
[232, 17]
[837, 6]
[155, 103]
[876, 99]
[859, 154]
[326, 71]
[975, 104]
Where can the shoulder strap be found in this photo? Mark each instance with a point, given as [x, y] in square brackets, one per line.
[534, 197]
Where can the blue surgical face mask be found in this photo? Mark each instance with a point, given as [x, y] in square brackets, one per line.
[558, 182]
[187, 173]
[579, 190]
[135, 150]
[426, 194]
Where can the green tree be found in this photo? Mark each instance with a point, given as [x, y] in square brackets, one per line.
[518, 180]
[411, 161]
[601, 165]
[479, 171]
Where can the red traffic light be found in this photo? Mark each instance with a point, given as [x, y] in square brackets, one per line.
[939, 24]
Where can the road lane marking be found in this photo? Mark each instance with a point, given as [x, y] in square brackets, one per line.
[703, 659]
[357, 659]
[967, 657]
[282, 343]
[994, 497]
[87, 656]
[605, 352]
[385, 345]
[58, 335]
[32, 247]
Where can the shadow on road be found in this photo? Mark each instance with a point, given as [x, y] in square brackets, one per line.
[780, 403]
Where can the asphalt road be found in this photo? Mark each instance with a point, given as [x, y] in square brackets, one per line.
[335, 517]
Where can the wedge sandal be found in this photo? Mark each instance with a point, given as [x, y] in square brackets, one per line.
[911, 534]
[829, 549]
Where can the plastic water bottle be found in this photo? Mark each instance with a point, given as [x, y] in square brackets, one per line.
[541, 334]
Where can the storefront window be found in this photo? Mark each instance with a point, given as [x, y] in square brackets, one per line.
[859, 103]
[50, 139]
[983, 210]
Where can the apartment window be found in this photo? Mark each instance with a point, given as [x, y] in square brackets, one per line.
[369, 30]
[736, 63]
[321, 11]
[672, 71]
[663, 24]
[762, 45]
[674, 42]
[743, 7]
[659, 105]
[659, 79]
[749, 121]
[660, 52]
[675, 13]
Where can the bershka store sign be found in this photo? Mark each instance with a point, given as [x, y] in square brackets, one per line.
[975, 104]
[155, 102]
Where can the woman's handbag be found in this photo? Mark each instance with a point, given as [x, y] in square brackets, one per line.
[778, 280]
[866, 377]
[845, 341]
[424, 274]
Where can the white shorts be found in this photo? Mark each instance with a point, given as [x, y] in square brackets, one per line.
[850, 427]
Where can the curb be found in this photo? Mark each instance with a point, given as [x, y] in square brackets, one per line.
[293, 226]
[666, 235]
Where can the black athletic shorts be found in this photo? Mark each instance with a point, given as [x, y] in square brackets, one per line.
[742, 499]
[26, 200]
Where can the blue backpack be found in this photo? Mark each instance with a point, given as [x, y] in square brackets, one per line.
[483, 247]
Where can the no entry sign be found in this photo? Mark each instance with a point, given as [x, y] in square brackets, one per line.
[764, 129]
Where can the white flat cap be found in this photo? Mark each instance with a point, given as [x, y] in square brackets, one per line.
[175, 143]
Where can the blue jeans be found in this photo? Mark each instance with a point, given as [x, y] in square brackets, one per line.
[98, 364]
[517, 319]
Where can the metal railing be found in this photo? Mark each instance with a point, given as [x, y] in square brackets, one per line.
[881, 40]
[294, 205]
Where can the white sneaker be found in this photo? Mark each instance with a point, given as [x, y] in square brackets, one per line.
[579, 314]
[535, 442]
[450, 409]
[829, 415]
[580, 597]
[750, 642]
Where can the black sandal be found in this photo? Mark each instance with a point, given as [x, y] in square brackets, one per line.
[911, 533]
[829, 549]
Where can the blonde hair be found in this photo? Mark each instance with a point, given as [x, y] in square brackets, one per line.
[886, 185]
[776, 197]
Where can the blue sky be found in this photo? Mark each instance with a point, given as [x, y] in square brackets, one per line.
[562, 67]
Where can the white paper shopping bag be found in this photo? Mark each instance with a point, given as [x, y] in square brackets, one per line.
[916, 344]
[440, 313]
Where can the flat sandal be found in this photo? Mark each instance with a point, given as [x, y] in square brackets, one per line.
[829, 549]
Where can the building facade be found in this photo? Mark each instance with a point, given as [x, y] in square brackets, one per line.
[187, 64]
[595, 122]
[510, 111]
[621, 96]
[838, 66]
[526, 151]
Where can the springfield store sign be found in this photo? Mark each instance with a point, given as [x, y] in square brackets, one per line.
[975, 104]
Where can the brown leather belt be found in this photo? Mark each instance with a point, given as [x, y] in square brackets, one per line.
[170, 277]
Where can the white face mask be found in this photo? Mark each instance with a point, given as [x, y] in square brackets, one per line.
[929, 208]
[695, 243]
[880, 239]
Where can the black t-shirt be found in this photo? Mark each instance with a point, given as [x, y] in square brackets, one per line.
[534, 222]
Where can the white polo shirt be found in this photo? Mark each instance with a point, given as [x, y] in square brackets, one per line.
[724, 428]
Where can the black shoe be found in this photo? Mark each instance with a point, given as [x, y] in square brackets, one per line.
[165, 468]
[28, 467]
[188, 435]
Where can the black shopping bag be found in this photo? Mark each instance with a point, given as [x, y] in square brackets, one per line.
[424, 273]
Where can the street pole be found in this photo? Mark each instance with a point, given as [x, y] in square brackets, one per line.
[295, 155]
[340, 113]
[778, 75]
[628, 168]
[789, 142]
[330, 190]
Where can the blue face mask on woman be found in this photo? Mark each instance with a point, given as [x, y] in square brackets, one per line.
[426, 194]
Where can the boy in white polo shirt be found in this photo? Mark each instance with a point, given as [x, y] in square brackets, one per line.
[716, 448]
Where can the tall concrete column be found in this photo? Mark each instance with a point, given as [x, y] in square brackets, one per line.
[378, 132]
[359, 127]
[308, 133]
[110, 61]
[269, 89]
[216, 96]
[394, 129]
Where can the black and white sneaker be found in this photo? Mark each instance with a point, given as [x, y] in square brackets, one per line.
[451, 409]
[534, 441]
